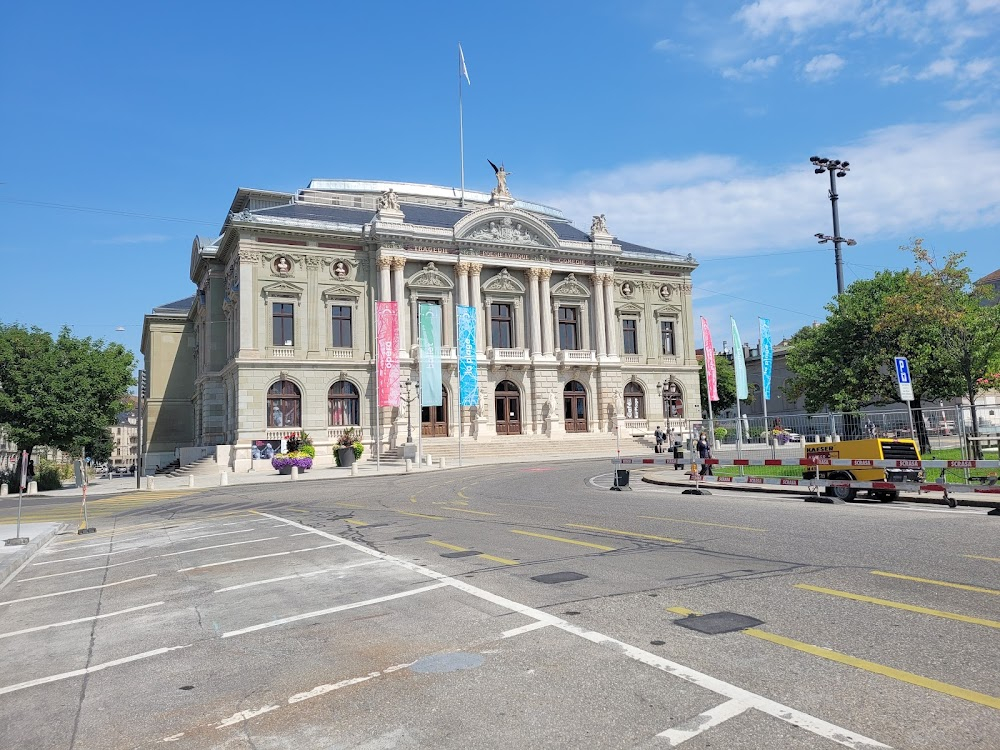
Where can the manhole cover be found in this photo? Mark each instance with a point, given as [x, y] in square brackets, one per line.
[558, 577]
[718, 622]
[465, 553]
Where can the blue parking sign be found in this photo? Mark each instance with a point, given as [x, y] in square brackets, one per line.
[902, 370]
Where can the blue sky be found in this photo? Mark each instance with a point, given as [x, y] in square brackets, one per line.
[128, 128]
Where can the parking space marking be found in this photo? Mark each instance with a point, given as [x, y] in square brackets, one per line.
[220, 546]
[88, 670]
[900, 605]
[777, 710]
[86, 570]
[332, 610]
[257, 557]
[980, 557]
[74, 591]
[524, 629]
[242, 716]
[564, 539]
[626, 533]
[701, 523]
[704, 721]
[310, 574]
[963, 586]
[86, 557]
[206, 536]
[79, 620]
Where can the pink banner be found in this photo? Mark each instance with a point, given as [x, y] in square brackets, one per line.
[713, 385]
[387, 353]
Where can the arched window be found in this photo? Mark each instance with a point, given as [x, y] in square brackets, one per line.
[284, 405]
[673, 402]
[345, 405]
[635, 402]
[575, 407]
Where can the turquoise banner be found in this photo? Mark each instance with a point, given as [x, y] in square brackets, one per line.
[766, 356]
[430, 355]
[739, 364]
[468, 371]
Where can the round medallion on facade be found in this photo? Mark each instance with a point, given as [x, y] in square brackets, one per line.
[628, 289]
[340, 269]
[665, 291]
[282, 265]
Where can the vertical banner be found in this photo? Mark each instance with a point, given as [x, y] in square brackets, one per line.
[710, 373]
[468, 371]
[430, 355]
[766, 356]
[739, 364]
[387, 353]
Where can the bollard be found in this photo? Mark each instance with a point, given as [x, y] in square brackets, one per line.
[32, 488]
[408, 465]
[428, 459]
[354, 470]
[190, 480]
[149, 483]
[3, 490]
[444, 463]
[295, 473]
[223, 479]
[836, 438]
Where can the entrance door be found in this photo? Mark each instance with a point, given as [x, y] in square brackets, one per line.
[434, 419]
[508, 409]
[575, 407]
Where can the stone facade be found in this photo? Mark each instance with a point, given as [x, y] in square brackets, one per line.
[284, 302]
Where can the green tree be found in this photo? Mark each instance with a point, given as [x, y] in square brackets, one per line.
[63, 392]
[726, 378]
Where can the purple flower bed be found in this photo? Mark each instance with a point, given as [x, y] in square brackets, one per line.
[283, 462]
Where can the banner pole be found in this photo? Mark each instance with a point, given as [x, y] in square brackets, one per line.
[378, 395]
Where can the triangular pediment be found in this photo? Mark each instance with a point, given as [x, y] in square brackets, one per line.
[282, 289]
[503, 282]
[666, 310]
[340, 292]
[506, 226]
[630, 308]
[429, 277]
[570, 287]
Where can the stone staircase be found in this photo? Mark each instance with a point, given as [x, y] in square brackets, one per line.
[202, 466]
[525, 447]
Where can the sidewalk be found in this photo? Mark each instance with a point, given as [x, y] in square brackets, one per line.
[11, 558]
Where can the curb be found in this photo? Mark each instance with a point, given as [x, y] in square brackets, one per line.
[713, 486]
[12, 564]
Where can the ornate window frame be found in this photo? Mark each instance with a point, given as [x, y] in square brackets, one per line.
[505, 289]
[571, 292]
[344, 295]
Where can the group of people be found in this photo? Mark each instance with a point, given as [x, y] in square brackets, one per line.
[704, 448]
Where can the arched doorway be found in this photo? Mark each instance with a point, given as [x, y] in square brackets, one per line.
[575, 407]
[508, 409]
[635, 402]
[434, 419]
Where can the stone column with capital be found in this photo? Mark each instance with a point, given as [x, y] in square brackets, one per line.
[609, 311]
[398, 264]
[536, 316]
[245, 311]
[462, 282]
[545, 310]
[599, 316]
[476, 301]
[384, 290]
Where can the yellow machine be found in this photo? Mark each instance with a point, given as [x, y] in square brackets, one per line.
[875, 449]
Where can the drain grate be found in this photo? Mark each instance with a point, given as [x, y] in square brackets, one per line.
[464, 553]
[563, 577]
[717, 623]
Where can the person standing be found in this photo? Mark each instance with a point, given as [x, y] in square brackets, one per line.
[704, 452]
[658, 434]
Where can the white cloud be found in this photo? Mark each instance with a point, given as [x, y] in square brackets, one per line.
[946, 67]
[894, 74]
[771, 16]
[715, 205]
[976, 69]
[759, 66]
[665, 45]
[132, 239]
[960, 105]
[823, 67]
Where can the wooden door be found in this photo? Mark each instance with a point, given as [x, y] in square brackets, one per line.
[575, 407]
[434, 419]
[508, 409]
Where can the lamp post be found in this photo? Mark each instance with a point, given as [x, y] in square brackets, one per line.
[409, 399]
[836, 168]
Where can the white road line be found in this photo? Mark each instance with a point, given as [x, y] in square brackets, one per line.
[206, 536]
[220, 546]
[773, 708]
[84, 557]
[244, 715]
[710, 718]
[295, 575]
[331, 610]
[524, 629]
[87, 670]
[258, 557]
[301, 533]
[82, 619]
[86, 570]
[74, 591]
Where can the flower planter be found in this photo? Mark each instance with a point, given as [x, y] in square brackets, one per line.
[285, 470]
[345, 456]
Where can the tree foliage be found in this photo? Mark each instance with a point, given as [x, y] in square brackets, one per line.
[63, 392]
[726, 378]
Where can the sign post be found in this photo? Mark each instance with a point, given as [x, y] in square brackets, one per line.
[80, 469]
[22, 482]
[905, 383]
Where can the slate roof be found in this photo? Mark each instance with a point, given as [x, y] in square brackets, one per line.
[181, 305]
[990, 278]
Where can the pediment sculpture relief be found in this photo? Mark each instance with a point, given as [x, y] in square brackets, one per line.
[505, 230]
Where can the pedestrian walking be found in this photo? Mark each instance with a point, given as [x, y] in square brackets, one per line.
[704, 452]
[658, 435]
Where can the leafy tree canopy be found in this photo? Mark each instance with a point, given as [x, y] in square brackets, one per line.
[726, 378]
[63, 392]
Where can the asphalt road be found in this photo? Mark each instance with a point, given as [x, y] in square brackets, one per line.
[515, 606]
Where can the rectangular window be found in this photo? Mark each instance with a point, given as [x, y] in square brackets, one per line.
[283, 318]
[568, 338]
[667, 336]
[630, 339]
[502, 326]
[341, 337]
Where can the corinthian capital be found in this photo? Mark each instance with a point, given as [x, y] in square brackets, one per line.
[462, 269]
[384, 261]
[398, 264]
[545, 273]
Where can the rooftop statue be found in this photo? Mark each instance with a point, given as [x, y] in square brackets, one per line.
[501, 188]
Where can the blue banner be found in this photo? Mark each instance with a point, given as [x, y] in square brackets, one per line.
[766, 356]
[430, 355]
[739, 364]
[468, 370]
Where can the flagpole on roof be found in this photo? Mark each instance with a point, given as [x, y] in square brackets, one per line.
[462, 71]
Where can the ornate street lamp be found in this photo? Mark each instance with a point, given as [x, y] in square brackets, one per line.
[409, 398]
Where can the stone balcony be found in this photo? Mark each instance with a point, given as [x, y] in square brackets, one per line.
[576, 357]
[503, 357]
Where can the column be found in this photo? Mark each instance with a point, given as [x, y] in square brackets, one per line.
[462, 282]
[545, 310]
[599, 317]
[536, 316]
[397, 292]
[474, 287]
[246, 303]
[609, 312]
[383, 264]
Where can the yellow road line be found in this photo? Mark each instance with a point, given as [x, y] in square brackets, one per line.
[626, 533]
[502, 560]
[452, 547]
[962, 586]
[899, 605]
[463, 495]
[980, 557]
[422, 515]
[564, 539]
[350, 505]
[869, 666]
[681, 611]
[702, 523]
[354, 522]
[476, 512]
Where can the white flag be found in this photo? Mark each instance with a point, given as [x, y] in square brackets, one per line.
[462, 70]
